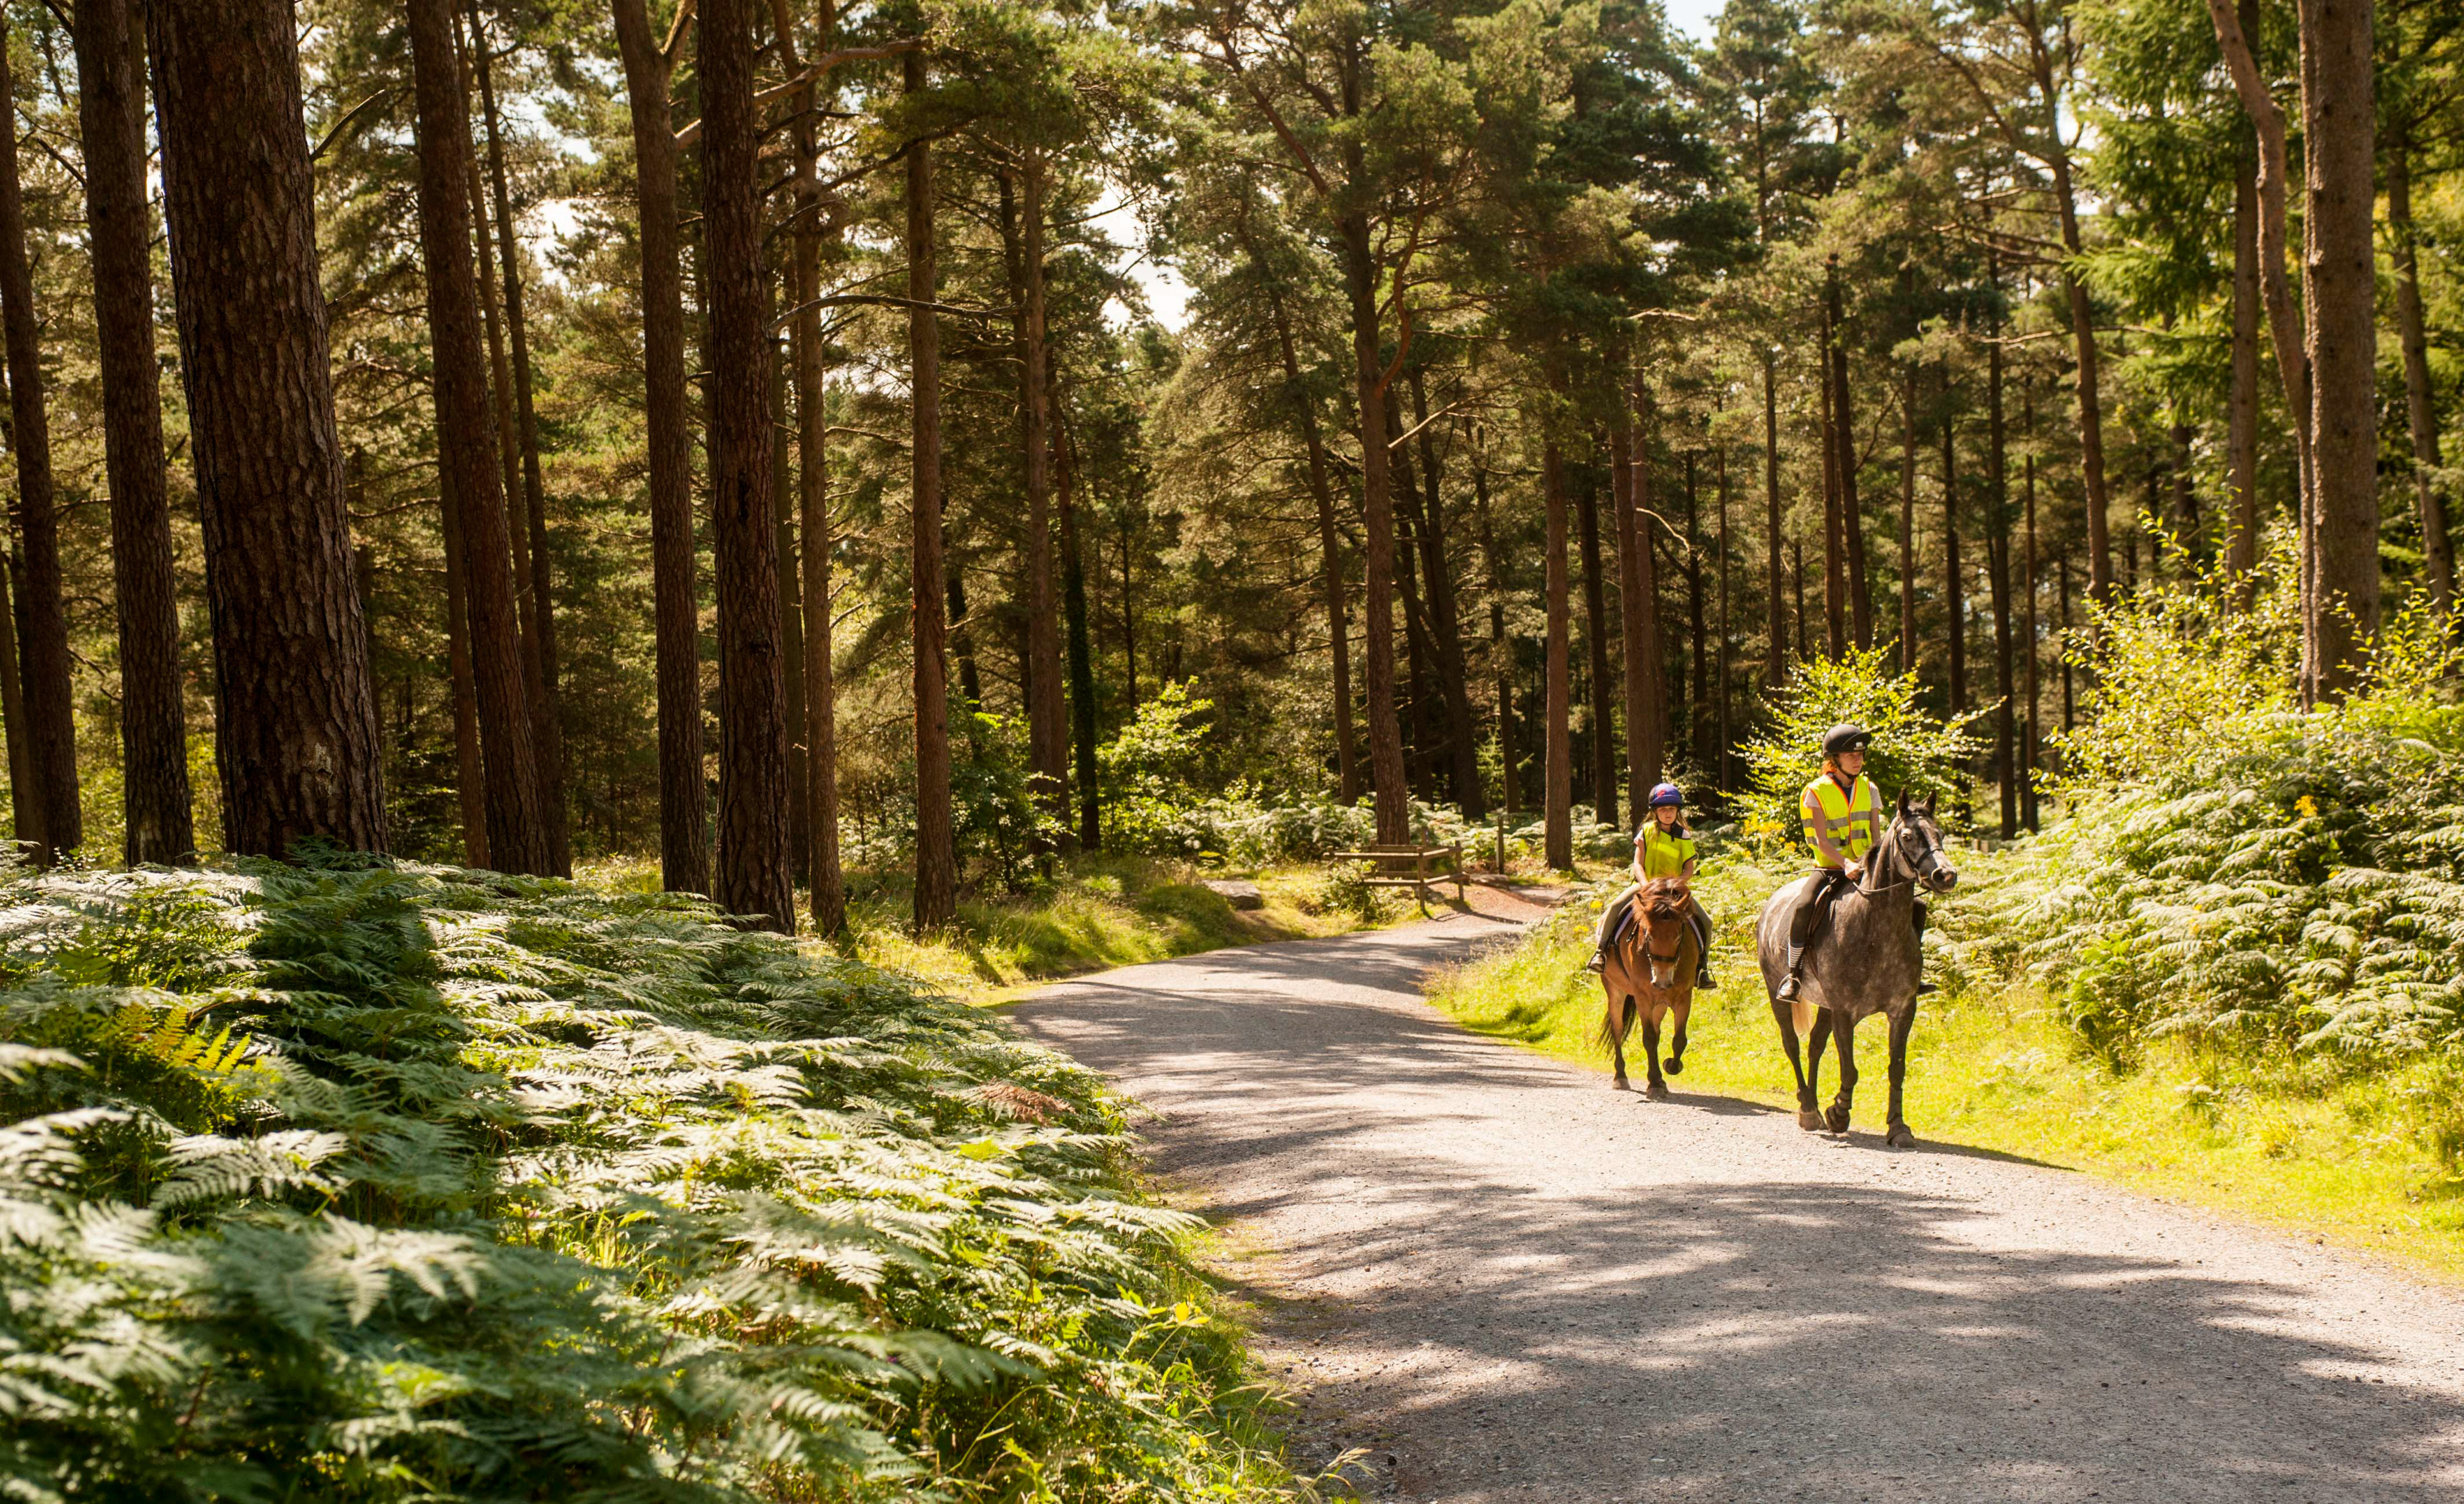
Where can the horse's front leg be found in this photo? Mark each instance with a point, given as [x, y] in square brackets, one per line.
[1837, 1119]
[1817, 1041]
[1677, 1045]
[1784, 1015]
[1902, 1024]
[1656, 1087]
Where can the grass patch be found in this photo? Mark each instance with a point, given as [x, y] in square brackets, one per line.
[2314, 1145]
[1097, 912]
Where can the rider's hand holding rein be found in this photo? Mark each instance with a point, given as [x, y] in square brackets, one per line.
[1852, 762]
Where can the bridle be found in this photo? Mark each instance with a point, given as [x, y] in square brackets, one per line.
[1927, 865]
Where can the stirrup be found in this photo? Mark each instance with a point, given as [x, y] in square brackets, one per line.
[1787, 989]
[1702, 982]
[1597, 964]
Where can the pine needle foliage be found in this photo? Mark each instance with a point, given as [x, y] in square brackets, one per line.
[355, 1181]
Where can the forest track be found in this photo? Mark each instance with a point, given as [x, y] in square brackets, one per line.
[1509, 1282]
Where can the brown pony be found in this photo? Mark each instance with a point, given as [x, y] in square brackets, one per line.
[1652, 964]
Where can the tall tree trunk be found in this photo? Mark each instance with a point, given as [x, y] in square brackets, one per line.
[24, 798]
[820, 723]
[1954, 605]
[2028, 607]
[1908, 521]
[295, 719]
[1997, 563]
[1501, 650]
[1595, 642]
[2075, 291]
[1392, 804]
[2438, 555]
[153, 724]
[785, 504]
[755, 871]
[1423, 731]
[1082, 656]
[1454, 679]
[2235, 23]
[1776, 663]
[1719, 767]
[1649, 735]
[1558, 792]
[1634, 594]
[937, 858]
[2241, 423]
[1338, 631]
[1047, 737]
[470, 773]
[2062, 576]
[1851, 523]
[684, 829]
[1698, 717]
[548, 721]
[517, 836]
[44, 645]
[1835, 528]
[2339, 267]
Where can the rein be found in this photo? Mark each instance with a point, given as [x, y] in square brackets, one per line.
[1929, 864]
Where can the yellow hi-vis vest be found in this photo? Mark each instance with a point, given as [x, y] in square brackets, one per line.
[1853, 820]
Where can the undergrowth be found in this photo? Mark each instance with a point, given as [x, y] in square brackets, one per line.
[375, 1184]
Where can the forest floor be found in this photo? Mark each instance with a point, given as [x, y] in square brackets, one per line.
[1497, 1279]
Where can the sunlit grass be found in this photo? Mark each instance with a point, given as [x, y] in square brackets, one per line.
[2317, 1146]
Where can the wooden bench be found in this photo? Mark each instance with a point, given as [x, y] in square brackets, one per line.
[1389, 861]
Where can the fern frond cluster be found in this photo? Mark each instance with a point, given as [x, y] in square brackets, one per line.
[390, 1183]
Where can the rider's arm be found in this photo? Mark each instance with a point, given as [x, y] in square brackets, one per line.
[1689, 869]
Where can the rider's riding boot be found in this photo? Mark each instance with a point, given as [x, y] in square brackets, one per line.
[1703, 962]
[1796, 962]
[1922, 986]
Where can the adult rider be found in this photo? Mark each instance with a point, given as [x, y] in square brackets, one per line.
[1843, 821]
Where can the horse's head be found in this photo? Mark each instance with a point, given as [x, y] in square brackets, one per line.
[1664, 905]
[1915, 840]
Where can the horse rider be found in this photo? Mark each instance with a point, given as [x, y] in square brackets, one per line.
[1843, 821]
[1662, 848]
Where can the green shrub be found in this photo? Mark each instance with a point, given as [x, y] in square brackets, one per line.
[1913, 751]
[375, 1184]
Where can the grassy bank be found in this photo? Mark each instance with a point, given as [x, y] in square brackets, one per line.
[1096, 911]
[389, 1185]
[2311, 1144]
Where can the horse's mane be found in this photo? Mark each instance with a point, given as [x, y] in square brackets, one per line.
[1667, 897]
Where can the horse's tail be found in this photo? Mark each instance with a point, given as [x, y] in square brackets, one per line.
[1616, 1020]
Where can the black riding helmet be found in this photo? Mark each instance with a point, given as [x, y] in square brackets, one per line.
[1845, 738]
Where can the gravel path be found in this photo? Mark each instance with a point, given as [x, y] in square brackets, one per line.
[1508, 1282]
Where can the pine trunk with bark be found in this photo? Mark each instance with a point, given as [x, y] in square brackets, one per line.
[1908, 522]
[1953, 601]
[2439, 554]
[1776, 662]
[1844, 426]
[43, 642]
[24, 798]
[296, 722]
[684, 827]
[2241, 403]
[755, 875]
[1835, 528]
[1445, 612]
[786, 505]
[819, 729]
[1595, 643]
[2028, 748]
[1386, 776]
[1081, 654]
[1338, 630]
[1698, 717]
[1501, 650]
[153, 722]
[1558, 794]
[1047, 728]
[2339, 268]
[1648, 748]
[1634, 569]
[471, 774]
[517, 835]
[1997, 563]
[937, 858]
[548, 721]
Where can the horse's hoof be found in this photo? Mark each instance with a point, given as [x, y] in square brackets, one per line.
[1837, 1119]
[1619, 1085]
[1900, 1137]
[1658, 1090]
[1808, 1119]
[1675, 1067]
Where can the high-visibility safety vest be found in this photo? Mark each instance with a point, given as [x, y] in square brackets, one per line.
[1853, 819]
[1663, 855]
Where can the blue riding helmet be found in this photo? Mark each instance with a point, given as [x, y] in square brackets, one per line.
[1666, 794]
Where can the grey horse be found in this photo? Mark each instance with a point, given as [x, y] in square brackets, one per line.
[1866, 960]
